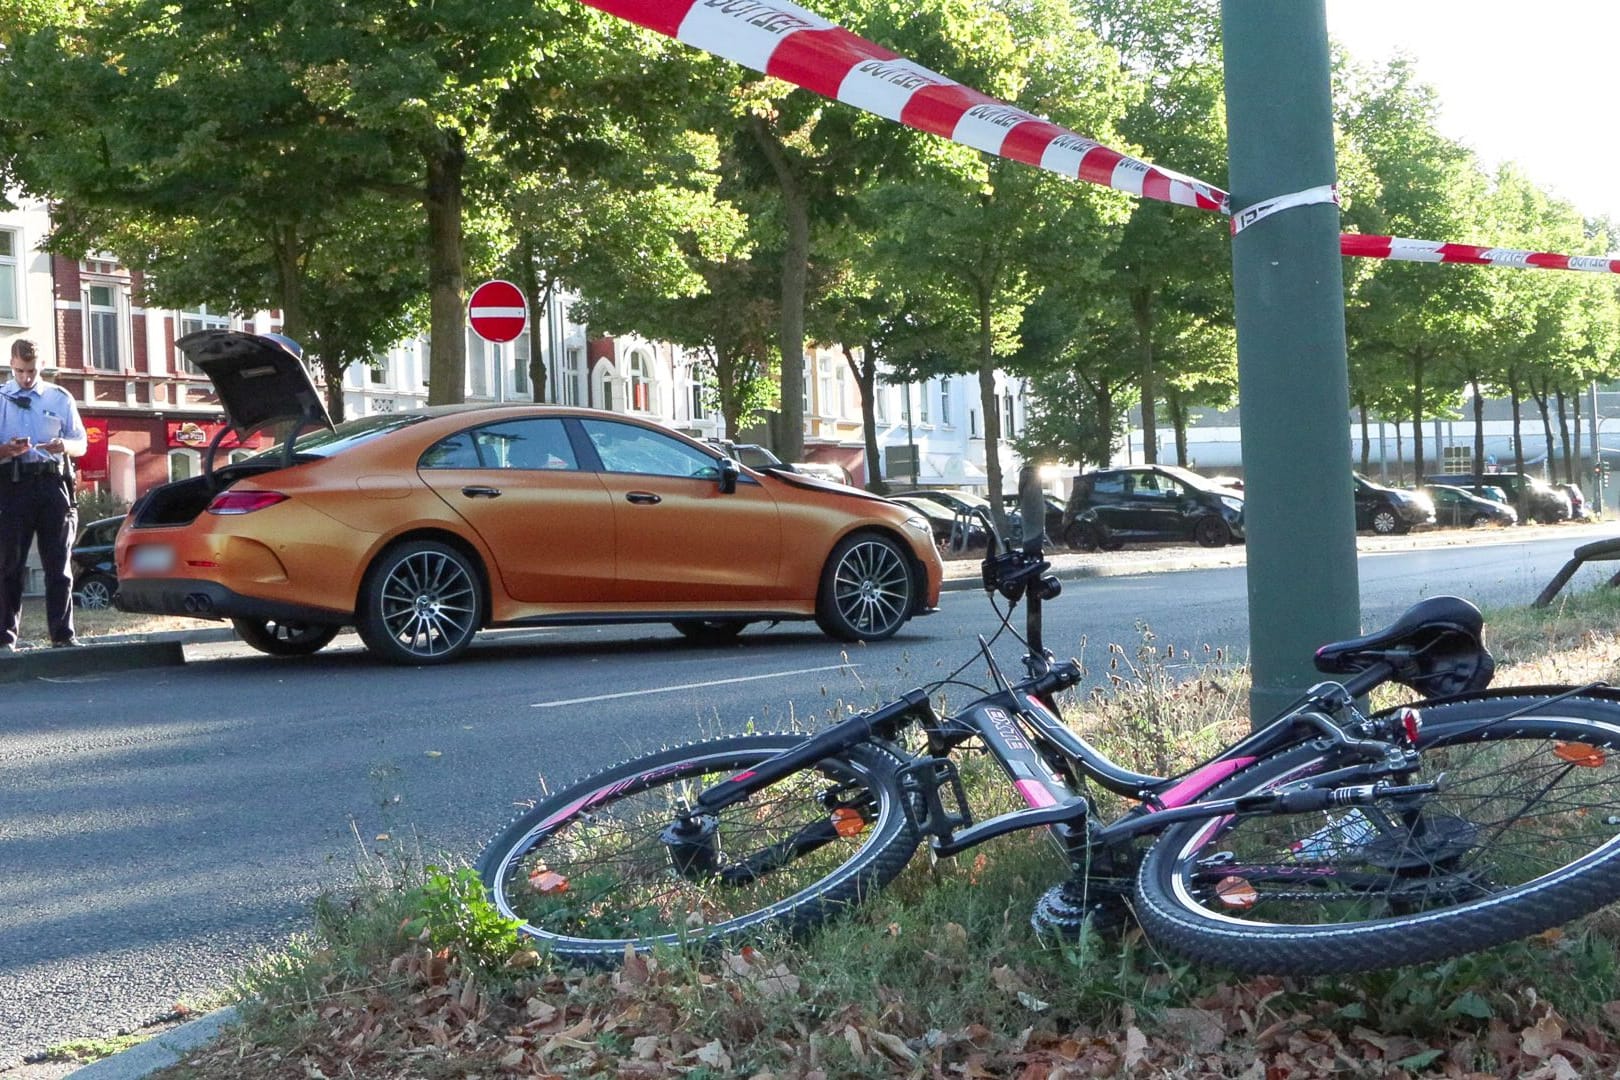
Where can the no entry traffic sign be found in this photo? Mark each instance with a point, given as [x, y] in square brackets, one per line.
[496, 311]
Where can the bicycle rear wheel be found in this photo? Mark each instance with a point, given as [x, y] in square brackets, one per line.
[1523, 836]
[587, 873]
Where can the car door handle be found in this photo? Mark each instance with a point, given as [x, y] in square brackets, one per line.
[481, 492]
[643, 498]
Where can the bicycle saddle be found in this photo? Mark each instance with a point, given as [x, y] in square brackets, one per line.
[1435, 648]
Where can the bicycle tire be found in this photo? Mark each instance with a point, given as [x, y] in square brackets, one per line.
[620, 888]
[1487, 870]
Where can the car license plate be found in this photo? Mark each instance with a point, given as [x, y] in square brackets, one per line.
[152, 559]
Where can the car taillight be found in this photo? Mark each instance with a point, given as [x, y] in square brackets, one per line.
[244, 502]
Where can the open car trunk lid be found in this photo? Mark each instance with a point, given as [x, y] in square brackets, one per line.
[259, 382]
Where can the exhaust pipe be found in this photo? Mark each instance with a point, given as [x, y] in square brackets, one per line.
[198, 603]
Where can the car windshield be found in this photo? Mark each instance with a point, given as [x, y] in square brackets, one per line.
[324, 443]
[1193, 480]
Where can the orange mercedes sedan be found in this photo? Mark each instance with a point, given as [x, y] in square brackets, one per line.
[421, 528]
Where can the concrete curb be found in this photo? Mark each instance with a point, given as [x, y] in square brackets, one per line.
[97, 655]
[158, 1052]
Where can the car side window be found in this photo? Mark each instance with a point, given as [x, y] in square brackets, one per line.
[525, 444]
[627, 448]
[454, 452]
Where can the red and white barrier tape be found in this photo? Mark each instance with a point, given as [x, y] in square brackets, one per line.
[790, 43]
[1430, 251]
[798, 46]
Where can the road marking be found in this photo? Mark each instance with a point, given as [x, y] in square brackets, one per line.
[691, 686]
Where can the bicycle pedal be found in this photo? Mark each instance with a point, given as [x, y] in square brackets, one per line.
[925, 779]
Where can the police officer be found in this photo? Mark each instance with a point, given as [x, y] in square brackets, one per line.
[39, 431]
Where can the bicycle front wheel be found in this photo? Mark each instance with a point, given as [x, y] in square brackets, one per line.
[1523, 835]
[592, 870]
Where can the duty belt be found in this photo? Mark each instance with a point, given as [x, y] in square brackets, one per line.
[32, 470]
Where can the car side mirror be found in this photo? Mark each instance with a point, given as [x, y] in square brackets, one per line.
[729, 471]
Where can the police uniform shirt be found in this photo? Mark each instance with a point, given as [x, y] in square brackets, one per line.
[50, 412]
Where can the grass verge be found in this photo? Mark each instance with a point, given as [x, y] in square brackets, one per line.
[412, 974]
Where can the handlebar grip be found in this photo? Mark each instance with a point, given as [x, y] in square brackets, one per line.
[1060, 677]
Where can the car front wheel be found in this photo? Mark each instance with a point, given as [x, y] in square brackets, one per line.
[867, 589]
[421, 604]
[1211, 532]
[276, 638]
[1385, 522]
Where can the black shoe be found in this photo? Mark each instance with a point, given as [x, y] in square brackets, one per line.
[67, 643]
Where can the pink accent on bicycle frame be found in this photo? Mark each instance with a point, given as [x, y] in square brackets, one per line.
[1035, 793]
[1192, 788]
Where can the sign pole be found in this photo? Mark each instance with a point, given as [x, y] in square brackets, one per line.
[1293, 382]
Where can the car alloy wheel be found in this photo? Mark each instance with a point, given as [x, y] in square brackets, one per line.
[422, 604]
[1385, 522]
[866, 589]
[96, 592]
[1211, 532]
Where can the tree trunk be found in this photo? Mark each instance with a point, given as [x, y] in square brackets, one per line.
[332, 370]
[447, 345]
[1142, 314]
[1178, 419]
[1546, 431]
[539, 317]
[1366, 438]
[1518, 438]
[992, 415]
[725, 382]
[1417, 411]
[1400, 453]
[1572, 454]
[1479, 436]
[786, 426]
[866, 379]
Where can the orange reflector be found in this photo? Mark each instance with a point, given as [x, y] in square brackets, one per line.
[548, 881]
[1580, 754]
[848, 822]
[1237, 892]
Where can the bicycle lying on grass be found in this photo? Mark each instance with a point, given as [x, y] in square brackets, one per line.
[1329, 840]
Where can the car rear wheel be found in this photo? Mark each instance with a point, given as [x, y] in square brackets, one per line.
[867, 589]
[422, 604]
[96, 592]
[1211, 532]
[276, 638]
[710, 631]
[1385, 522]
[1083, 537]
[1478, 520]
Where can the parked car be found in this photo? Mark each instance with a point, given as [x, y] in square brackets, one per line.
[95, 575]
[1386, 510]
[756, 456]
[1534, 499]
[951, 532]
[1054, 512]
[1458, 507]
[1150, 502]
[1577, 500]
[970, 503]
[420, 528]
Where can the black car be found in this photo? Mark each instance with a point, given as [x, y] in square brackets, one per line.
[1457, 506]
[1054, 512]
[1150, 502]
[95, 577]
[967, 503]
[1534, 499]
[1387, 510]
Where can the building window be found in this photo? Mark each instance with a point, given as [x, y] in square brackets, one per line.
[103, 327]
[10, 275]
[880, 402]
[426, 352]
[182, 464]
[922, 402]
[1010, 409]
[973, 423]
[808, 377]
[697, 393]
[573, 378]
[520, 365]
[945, 402]
[190, 323]
[477, 366]
[377, 370]
[824, 387]
[640, 397]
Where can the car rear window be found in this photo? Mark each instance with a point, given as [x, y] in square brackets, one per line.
[323, 443]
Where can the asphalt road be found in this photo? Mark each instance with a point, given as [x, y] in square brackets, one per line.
[158, 829]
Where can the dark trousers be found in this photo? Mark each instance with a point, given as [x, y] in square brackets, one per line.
[39, 507]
